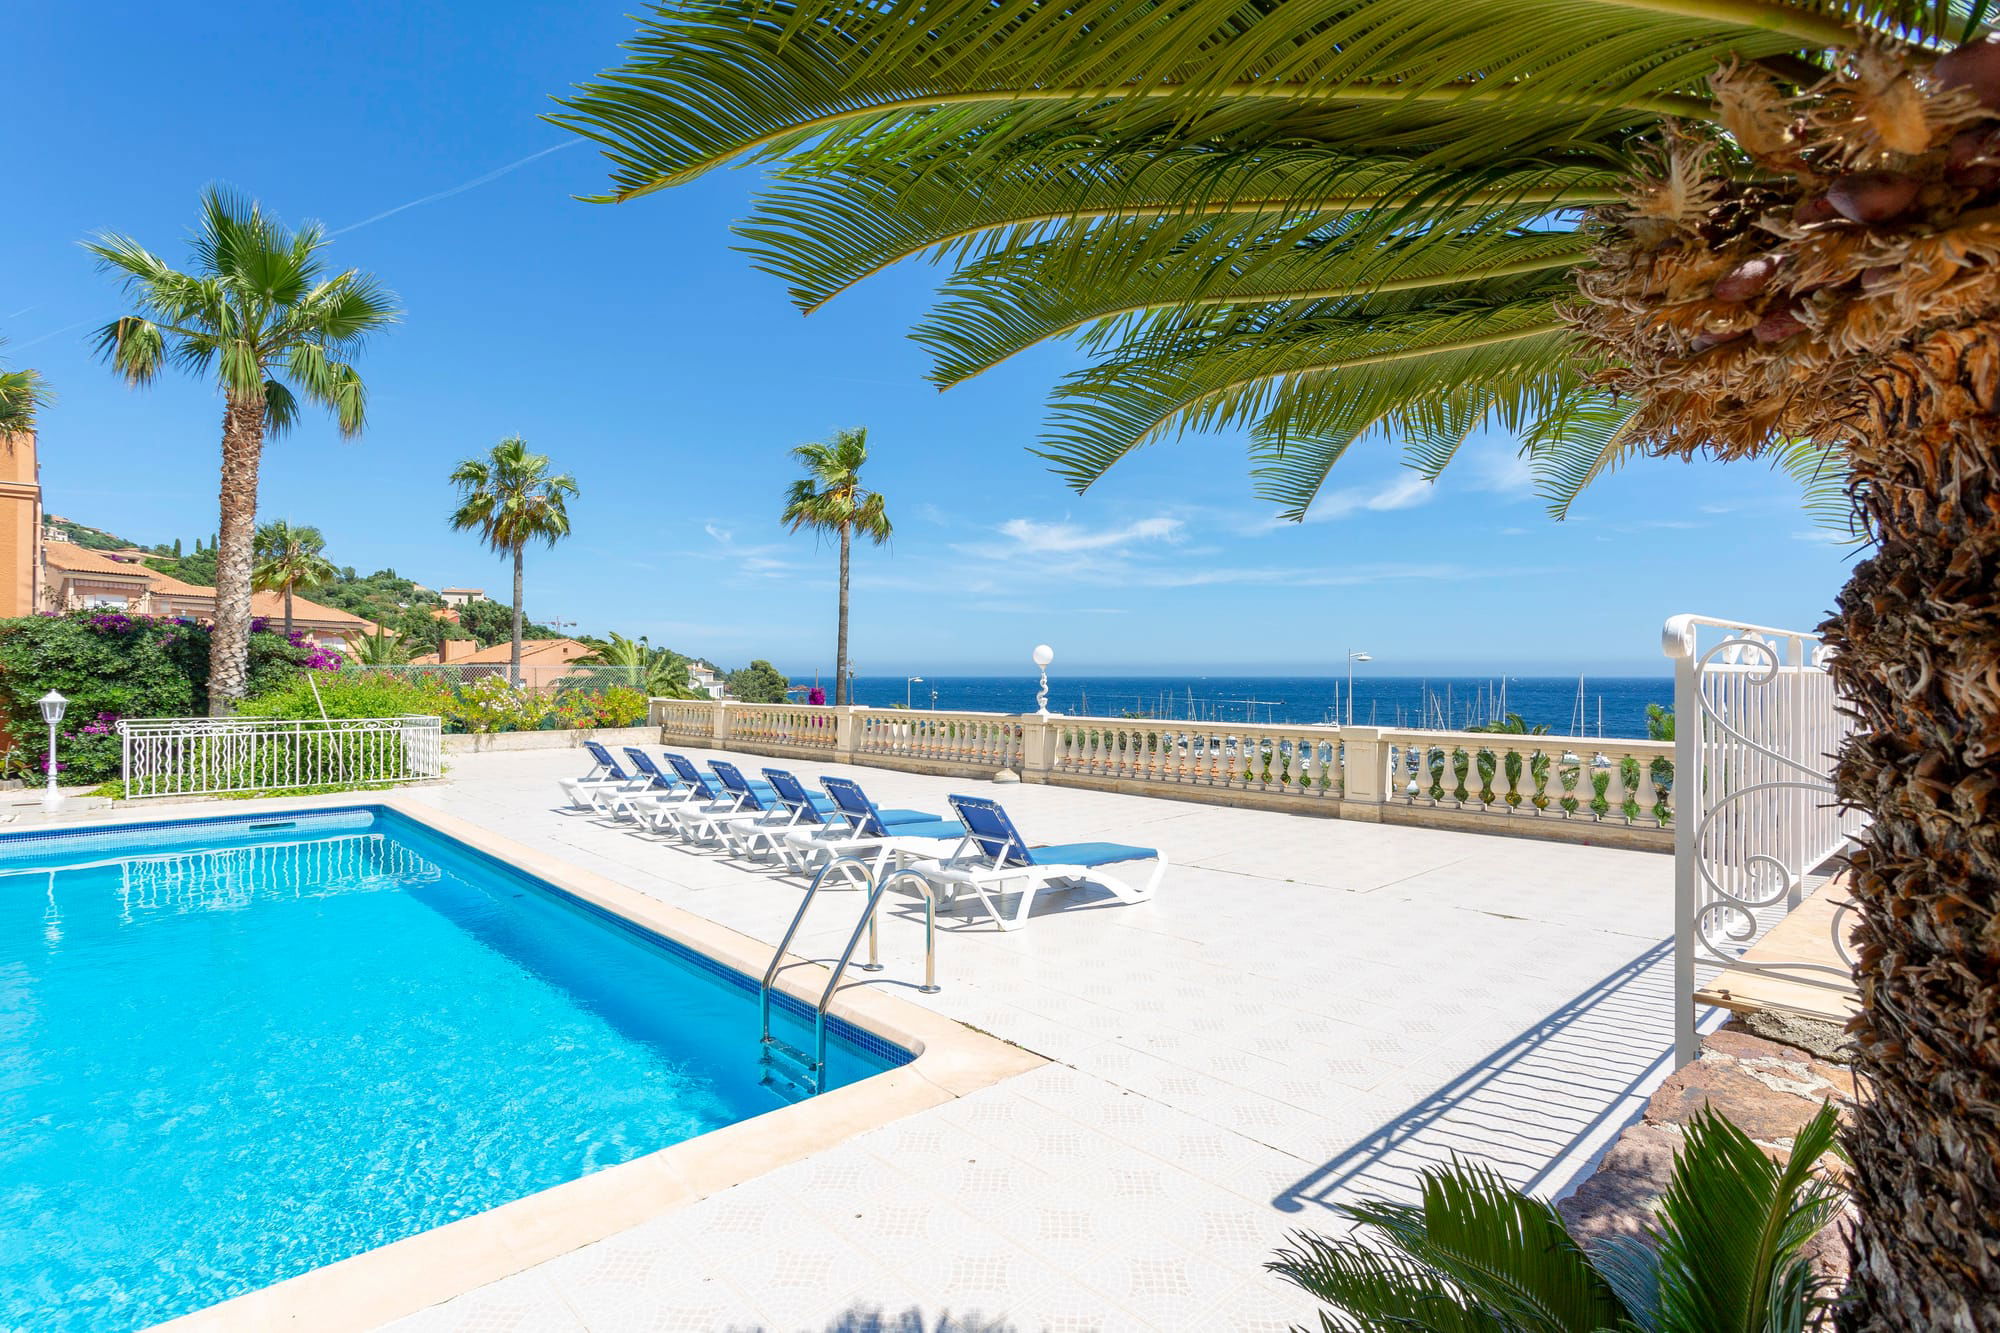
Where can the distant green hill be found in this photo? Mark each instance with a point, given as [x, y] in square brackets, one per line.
[82, 534]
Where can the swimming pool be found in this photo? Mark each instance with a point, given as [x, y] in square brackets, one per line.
[235, 1050]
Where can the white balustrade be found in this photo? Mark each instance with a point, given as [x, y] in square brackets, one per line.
[1289, 760]
[1597, 779]
[1520, 779]
[683, 719]
[190, 756]
[792, 726]
[990, 741]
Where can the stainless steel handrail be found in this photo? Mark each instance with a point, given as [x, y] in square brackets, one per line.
[778, 958]
[866, 923]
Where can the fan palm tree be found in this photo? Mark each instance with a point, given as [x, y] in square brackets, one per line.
[23, 394]
[831, 499]
[258, 308]
[1726, 1251]
[512, 498]
[290, 558]
[1752, 229]
[661, 673]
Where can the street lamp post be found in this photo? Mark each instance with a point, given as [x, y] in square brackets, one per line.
[1043, 656]
[53, 705]
[1352, 658]
[907, 682]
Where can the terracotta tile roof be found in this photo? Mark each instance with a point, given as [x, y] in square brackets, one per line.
[541, 651]
[167, 583]
[79, 560]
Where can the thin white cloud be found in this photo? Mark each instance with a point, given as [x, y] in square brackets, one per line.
[766, 561]
[1404, 492]
[1033, 537]
[1501, 468]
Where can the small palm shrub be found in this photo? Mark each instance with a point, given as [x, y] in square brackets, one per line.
[1725, 1253]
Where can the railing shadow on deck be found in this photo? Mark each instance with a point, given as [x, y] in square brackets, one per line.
[1527, 1106]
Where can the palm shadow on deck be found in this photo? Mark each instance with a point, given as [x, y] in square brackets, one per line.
[1526, 1108]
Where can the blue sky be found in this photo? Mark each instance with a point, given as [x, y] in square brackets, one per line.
[644, 353]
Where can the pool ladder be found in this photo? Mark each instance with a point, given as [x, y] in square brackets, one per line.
[792, 1072]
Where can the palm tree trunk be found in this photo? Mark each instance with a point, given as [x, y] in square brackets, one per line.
[229, 647]
[840, 645]
[1917, 639]
[288, 608]
[515, 667]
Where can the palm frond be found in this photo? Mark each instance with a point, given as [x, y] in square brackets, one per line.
[23, 394]
[1585, 437]
[1280, 378]
[1821, 472]
[1215, 201]
[1011, 300]
[707, 83]
[823, 233]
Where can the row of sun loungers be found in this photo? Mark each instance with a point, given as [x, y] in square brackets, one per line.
[776, 819]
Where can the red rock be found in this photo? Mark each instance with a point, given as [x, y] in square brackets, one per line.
[1618, 1198]
[1771, 1117]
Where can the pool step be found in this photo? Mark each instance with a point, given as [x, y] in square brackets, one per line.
[789, 1071]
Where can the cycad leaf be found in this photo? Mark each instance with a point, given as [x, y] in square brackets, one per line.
[1732, 1225]
[1373, 1292]
[1508, 1252]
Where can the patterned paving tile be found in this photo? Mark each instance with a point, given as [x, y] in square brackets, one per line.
[1254, 1045]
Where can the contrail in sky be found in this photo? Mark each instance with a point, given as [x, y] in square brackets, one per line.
[472, 184]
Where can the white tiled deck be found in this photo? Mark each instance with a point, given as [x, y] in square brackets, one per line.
[1309, 1010]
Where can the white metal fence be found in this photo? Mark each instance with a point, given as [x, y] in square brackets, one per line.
[194, 756]
[1758, 726]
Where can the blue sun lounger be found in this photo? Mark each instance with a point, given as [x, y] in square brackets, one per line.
[697, 794]
[861, 828]
[993, 860]
[658, 784]
[604, 780]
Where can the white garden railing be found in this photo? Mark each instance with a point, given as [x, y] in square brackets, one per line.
[202, 756]
[1758, 726]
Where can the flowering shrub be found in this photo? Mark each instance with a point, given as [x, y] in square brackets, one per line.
[492, 703]
[615, 706]
[112, 665]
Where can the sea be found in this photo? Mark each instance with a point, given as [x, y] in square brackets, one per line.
[1610, 706]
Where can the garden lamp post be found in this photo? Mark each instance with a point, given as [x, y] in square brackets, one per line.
[1352, 658]
[1043, 656]
[53, 705]
[907, 682]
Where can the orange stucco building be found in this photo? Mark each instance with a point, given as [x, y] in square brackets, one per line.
[20, 526]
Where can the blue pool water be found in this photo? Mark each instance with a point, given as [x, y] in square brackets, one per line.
[232, 1052]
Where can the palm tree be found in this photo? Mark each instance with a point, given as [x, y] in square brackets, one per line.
[380, 649]
[512, 498]
[661, 673]
[259, 309]
[1727, 1251]
[23, 394]
[290, 558]
[830, 498]
[1755, 229]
